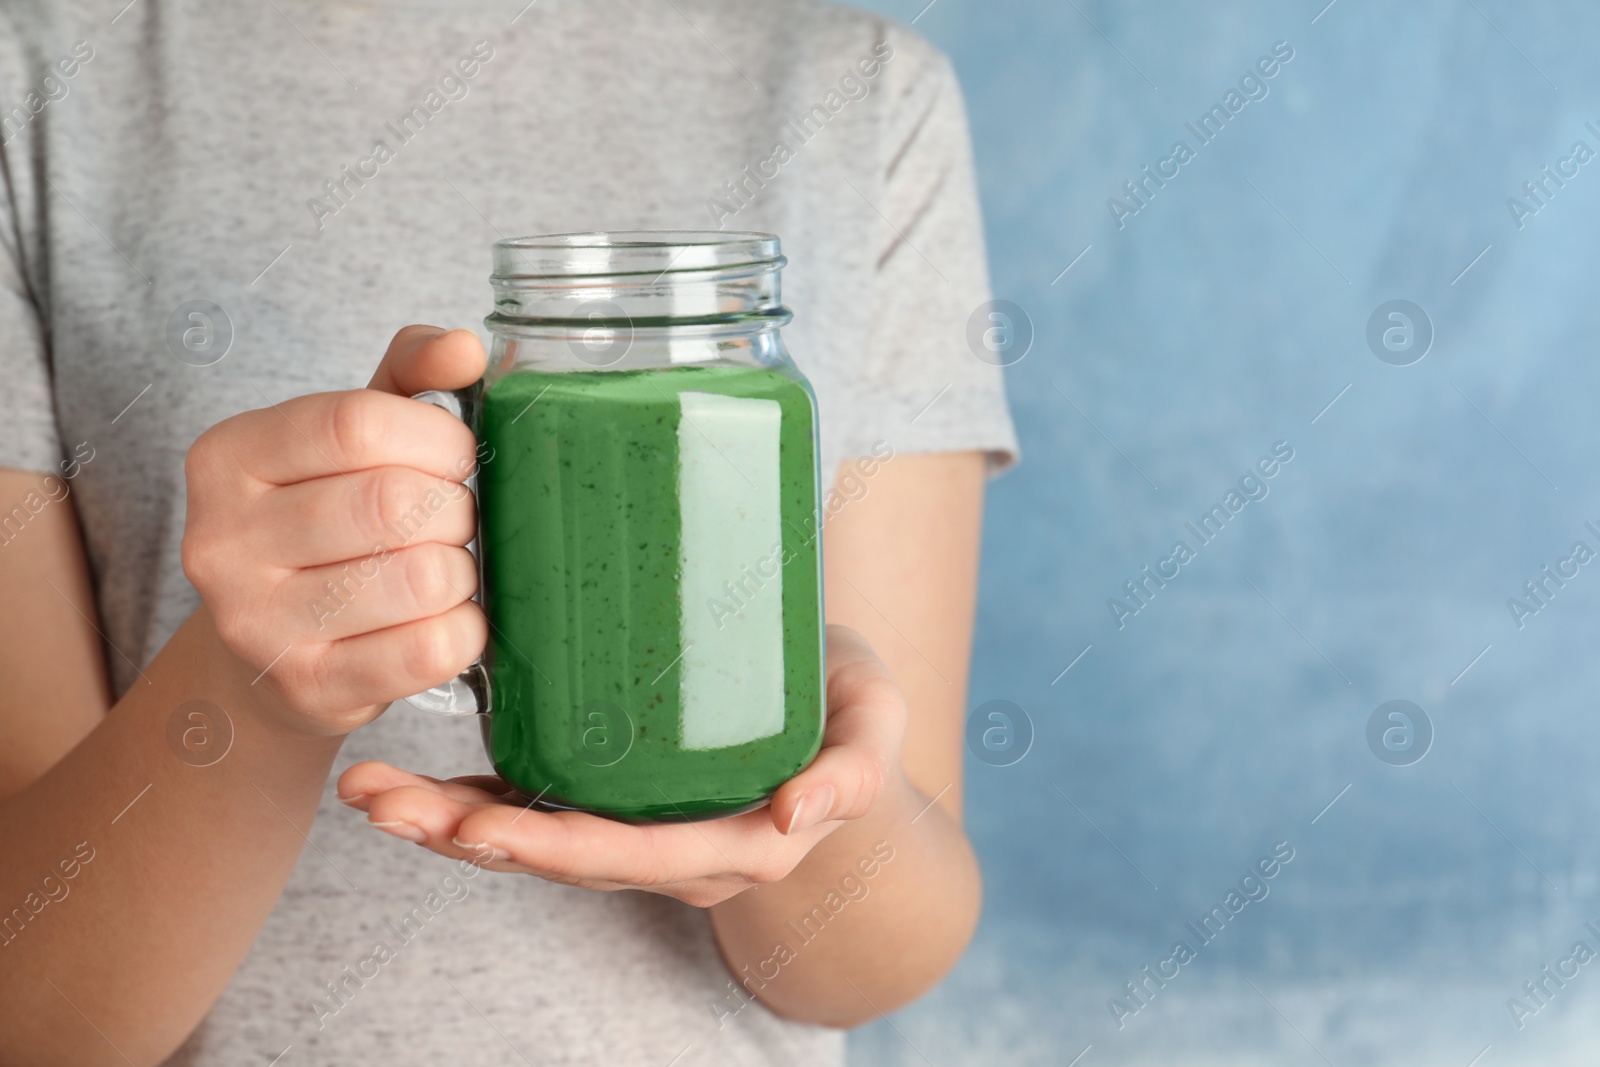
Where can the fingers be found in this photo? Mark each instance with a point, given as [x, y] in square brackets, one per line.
[581, 846]
[380, 591]
[385, 665]
[324, 534]
[574, 847]
[866, 726]
[427, 357]
[430, 816]
[362, 781]
[422, 809]
[846, 648]
[471, 819]
[341, 433]
[338, 518]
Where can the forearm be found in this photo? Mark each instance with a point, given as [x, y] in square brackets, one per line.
[832, 944]
[186, 862]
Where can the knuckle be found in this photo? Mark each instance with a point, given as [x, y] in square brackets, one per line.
[428, 581]
[657, 866]
[870, 776]
[198, 459]
[464, 567]
[431, 652]
[202, 551]
[449, 499]
[390, 499]
[463, 443]
[354, 425]
[562, 878]
[881, 691]
[880, 698]
[198, 559]
[653, 876]
[233, 629]
[208, 451]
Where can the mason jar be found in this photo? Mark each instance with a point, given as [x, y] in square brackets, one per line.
[648, 526]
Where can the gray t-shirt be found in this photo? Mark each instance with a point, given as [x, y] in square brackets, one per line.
[326, 172]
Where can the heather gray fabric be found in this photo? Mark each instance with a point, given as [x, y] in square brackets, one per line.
[179, 151]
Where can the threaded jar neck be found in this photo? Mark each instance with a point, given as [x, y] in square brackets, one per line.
[637, 280]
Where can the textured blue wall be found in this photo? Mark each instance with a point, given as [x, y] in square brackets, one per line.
[1221, 318]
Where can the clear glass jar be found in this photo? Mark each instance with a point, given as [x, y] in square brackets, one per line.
[648, 528]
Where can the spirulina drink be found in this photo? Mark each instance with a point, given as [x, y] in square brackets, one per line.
[652, 579]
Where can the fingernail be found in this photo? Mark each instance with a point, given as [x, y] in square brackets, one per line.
[482, 851]
[353, 797]
[401, 828]
[812, 809]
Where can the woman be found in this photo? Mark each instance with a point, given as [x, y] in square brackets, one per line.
[213, 215]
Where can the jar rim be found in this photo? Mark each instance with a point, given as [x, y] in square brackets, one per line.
[619, 253]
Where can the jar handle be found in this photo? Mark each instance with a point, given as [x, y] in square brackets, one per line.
[468, 692]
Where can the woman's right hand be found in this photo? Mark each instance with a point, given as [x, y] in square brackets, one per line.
[327, 536]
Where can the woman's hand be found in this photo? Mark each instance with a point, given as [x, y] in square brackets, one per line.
[327, 536]
[701, 863]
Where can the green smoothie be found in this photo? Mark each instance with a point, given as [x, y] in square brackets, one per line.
[650, 552]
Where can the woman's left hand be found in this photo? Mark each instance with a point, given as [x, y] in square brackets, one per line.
[481, 819]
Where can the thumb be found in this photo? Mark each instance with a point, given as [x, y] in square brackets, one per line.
[428, 357]
[866, 724]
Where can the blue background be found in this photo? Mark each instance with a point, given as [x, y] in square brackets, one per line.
[1228, 713]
